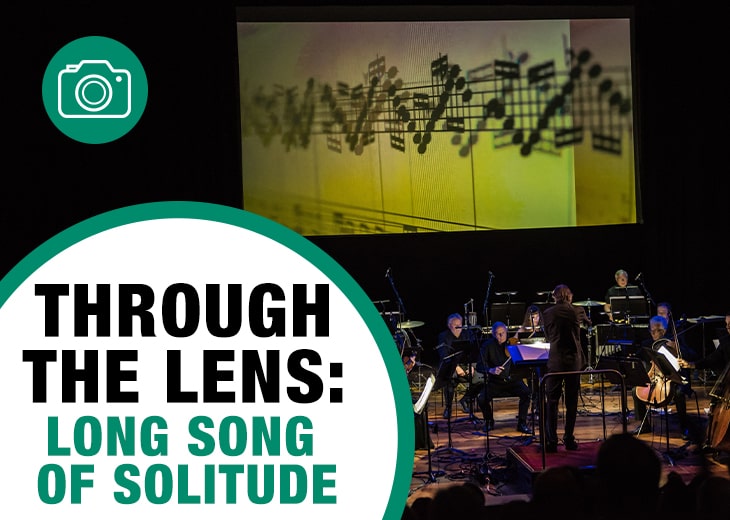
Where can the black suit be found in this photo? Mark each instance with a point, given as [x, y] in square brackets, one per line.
[562, 329]
[445, 347]
[492, 354]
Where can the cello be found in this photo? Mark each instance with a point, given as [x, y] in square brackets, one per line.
[660, 391]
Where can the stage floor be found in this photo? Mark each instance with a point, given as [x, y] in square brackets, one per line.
[506, 462]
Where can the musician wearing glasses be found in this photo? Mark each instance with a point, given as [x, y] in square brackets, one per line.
[496, 363]
[445, 340]
[659, 390]
[620, 288]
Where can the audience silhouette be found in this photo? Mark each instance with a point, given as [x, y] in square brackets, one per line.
[625, 484]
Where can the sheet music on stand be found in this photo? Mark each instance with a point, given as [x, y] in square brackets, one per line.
[673, 361]
[667, 363]
[534, 353]
[423, 398]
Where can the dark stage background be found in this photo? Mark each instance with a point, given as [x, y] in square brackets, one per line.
[186, 147]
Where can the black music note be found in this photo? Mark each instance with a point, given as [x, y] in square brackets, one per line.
[605, 121]
[536, 105]
[421, 107]
[440, 67]
[333, 125]
[459, 101]
[445, 78]
[362, 133]
[397, 111]
[376, 69]
[377, 75]
[457, 115]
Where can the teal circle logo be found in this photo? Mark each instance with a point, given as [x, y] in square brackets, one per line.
[95, 90]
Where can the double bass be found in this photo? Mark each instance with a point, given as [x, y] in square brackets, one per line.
[718, 433]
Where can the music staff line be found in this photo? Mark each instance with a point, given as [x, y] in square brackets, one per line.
[515, 105]
[317, 216]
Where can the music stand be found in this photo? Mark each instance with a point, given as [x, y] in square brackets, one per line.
[629, 307]
[631, 372]
[444, 374]
[508, 313]
[469, 347]
[661, 358]
[534, 357]
[419, 406]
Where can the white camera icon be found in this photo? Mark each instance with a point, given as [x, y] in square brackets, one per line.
[94, 89]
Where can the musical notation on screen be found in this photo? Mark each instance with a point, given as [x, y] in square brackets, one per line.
[543, 107]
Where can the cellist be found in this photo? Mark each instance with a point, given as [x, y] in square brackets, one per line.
[660, 336]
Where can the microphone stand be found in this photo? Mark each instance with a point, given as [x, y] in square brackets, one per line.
[627, 312]
[403, 316]
[646, 293]
[467, 328]
[469, 313]
[401, 307]
[486, 300]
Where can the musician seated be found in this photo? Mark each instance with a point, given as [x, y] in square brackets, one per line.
[620, 288]
[497, 366]
[660, 391]
[531, 324]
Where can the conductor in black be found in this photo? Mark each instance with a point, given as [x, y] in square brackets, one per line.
[562, 322]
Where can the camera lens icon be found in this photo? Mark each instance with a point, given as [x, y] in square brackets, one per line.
[94, 89]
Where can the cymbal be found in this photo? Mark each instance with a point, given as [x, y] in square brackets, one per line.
[706, 319]
[410, 324]
[589, 303]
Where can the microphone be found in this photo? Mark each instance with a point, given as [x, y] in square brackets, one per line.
[471, 300]
[638, 277]
[387, 273]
